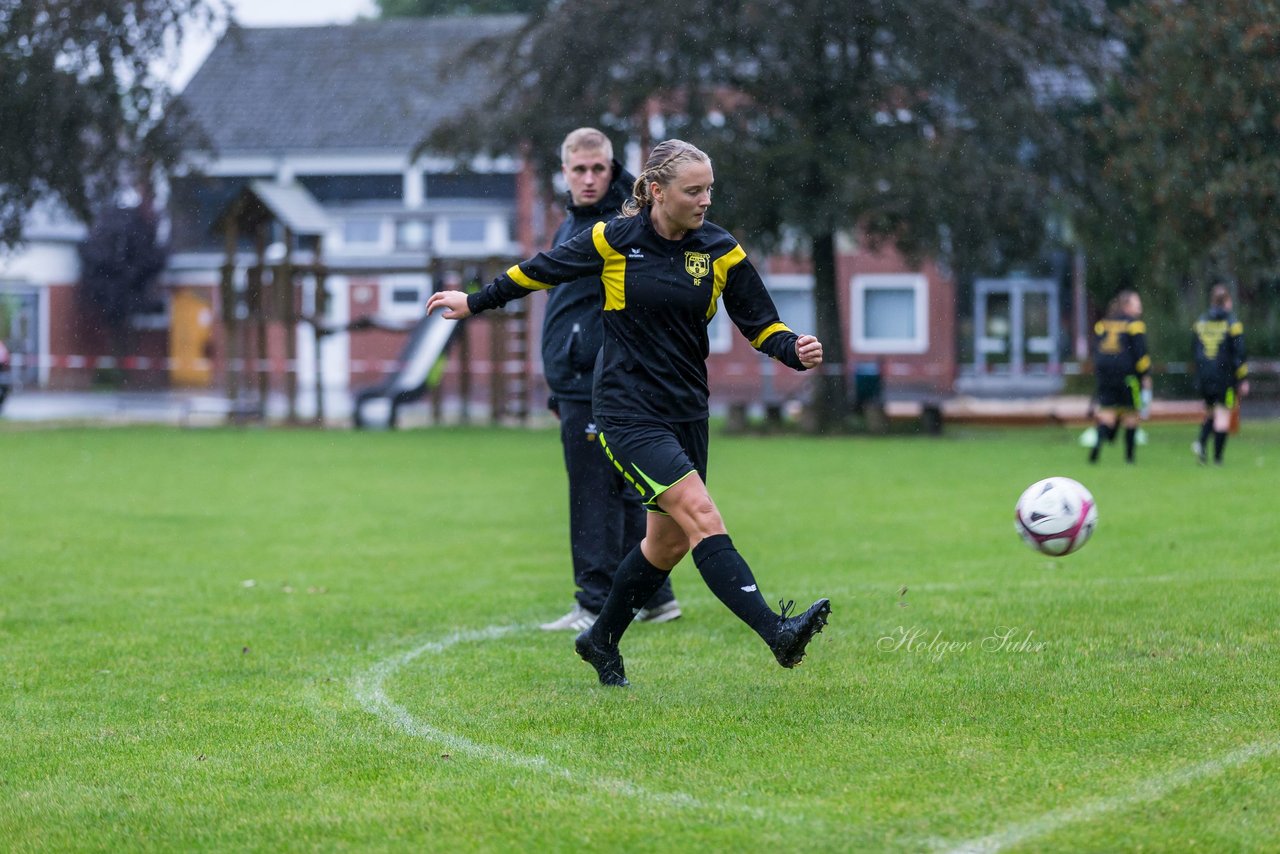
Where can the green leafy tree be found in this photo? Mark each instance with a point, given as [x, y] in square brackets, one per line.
[1183, 162]
[80, 100]
[923, 123]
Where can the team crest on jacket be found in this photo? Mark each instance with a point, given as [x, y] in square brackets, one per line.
[697, 264]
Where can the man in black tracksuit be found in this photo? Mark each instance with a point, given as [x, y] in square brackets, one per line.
[606, 519]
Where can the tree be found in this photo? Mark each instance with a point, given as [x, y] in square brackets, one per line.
[429, 8]
[80, 100]
[120, 261]
[1183, 167]
[920, 123]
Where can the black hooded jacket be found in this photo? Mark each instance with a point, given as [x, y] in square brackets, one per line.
[571, 330]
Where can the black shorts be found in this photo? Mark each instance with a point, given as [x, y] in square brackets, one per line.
[1218, 396]
[1118, 392]
[653, 455]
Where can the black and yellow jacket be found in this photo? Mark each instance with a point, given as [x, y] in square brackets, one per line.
[1120, 347]
[659, 296]
[1220, 352]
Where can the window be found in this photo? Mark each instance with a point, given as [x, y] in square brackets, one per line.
[467, 229]
[890, 313]
[412, 234]
[361, 232]
[792, 295]
[472, 233]
[354, 188]
[404, 296]
[472, 186]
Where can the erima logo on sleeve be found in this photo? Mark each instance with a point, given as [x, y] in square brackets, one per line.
[635, 252]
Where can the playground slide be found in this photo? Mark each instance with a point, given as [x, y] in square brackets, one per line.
[426, 345]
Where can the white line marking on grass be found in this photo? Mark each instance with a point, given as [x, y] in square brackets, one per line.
[1147, 791]
[369, 690]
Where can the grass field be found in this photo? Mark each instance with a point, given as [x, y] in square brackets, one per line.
[274, 640]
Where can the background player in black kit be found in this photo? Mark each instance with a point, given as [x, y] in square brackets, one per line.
[1221, 370]
[1123, 371]
[665, 272]
[606, 519]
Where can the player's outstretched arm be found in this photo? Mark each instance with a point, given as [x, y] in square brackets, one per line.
[809, 351]
[454, 304]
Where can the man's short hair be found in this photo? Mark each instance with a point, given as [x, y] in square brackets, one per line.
[585, 139]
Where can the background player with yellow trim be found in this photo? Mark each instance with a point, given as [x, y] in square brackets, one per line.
[1123, 371]
[665, 271]
[1221, 370]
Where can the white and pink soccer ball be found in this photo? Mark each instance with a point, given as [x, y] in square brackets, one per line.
[1056, 516]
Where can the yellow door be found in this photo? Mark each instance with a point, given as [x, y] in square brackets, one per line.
[190, 330]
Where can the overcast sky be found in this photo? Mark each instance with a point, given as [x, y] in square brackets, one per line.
[266, 13]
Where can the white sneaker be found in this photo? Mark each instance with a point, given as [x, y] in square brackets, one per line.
[1198, 450]
[577, 620]
[664, 613]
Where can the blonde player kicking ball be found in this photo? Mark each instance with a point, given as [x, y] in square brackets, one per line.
[664, 271]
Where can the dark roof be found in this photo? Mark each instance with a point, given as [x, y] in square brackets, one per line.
[369, 85]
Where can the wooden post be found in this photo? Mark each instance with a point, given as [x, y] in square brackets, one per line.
[259, 316]
[227, 293]
[286, 298]
[321, 307]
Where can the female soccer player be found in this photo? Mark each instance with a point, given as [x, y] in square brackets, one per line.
[665, 270]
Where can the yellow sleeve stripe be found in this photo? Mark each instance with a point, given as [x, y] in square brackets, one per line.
[759, 340]
[614, 274]
[720, 276]
[1242, 372]
[1143, 365]
[517, 275]
[1237, 328]
[1137, 327]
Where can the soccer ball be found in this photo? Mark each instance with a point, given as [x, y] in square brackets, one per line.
[1055, 516]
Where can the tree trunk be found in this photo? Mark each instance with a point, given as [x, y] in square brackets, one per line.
[830, 395]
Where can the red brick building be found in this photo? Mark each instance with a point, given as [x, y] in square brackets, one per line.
[272, 107]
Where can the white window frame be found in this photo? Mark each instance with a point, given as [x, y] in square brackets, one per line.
[861, 284]
[377, 244]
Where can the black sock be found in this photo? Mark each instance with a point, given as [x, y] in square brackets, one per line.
[633, 584]
[1219, 442]
[729, 577]
[1130, 439]
[1205, 429]
[1104, 435]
